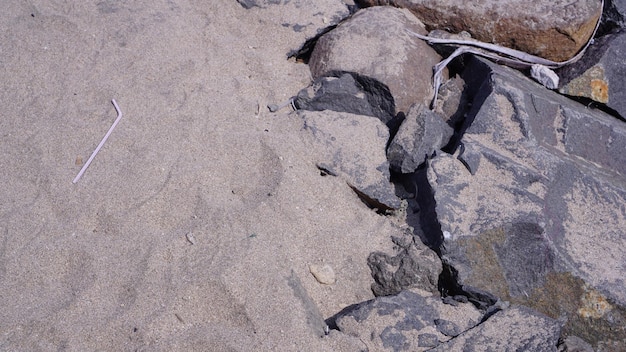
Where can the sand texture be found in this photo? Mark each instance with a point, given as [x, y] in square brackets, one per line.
[108, 263]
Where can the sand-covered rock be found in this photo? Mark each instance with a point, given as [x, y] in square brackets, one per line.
[374, 43]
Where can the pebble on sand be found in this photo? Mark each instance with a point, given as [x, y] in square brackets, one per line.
[324, 274]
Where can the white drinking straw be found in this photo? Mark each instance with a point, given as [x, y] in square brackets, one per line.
[106, 136]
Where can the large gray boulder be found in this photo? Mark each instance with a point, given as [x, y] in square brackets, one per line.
[532, 207]
[374, 42]
[554, 30]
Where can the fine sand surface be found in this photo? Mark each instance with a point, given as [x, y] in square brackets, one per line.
[105, 264]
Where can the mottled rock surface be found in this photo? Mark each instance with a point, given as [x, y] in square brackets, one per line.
[412, 320]
[532, 209]
[601, 74]
[374, 43]
[413, 266]
[514, 329]
[554, 30]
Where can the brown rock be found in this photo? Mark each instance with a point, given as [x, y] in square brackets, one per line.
[374, 43]
[555, 30]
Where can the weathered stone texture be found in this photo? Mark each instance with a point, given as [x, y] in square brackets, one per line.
[409, 321]
[601, 74]
[374, 43]
[414, 266]
[554, 30]
[533, 208]
[513, 329]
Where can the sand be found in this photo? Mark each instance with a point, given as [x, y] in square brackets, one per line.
[106, 263]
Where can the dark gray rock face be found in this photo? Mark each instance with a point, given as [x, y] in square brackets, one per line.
[614, 14]
[348, 92]
[353, 147]
[374, 43]
[532, 208]
[412, 320]
[421, 133]
[414, 266]
[550, 29]
[601, 74]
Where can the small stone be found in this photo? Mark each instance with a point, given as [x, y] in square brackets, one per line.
[324, 274]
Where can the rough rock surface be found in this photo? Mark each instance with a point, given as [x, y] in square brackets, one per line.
[360, 161]
[412, 320]
[422, 132]
[554, 30]
[532, 210]
[514, 329]
[601, 74]
[374, 43]
[348, 92]
[413, 266]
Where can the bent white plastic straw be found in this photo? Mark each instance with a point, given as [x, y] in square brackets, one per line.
[106, 136]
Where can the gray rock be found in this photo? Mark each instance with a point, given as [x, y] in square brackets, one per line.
[513, 329]
[421, 133]
[348, 92]
[374, 43]
[405, 322]
[600, 75]
[353, 147]
[532, 209]
[414, 266]
[546, 28]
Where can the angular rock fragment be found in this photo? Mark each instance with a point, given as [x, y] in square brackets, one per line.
[421, 133]
[415, 266]
[348, 92]
[324, 274]
[412, 320]
[601, 74]
[555, 30]
[532, 210]
[513, 329]
[353, 147]
[374, 43]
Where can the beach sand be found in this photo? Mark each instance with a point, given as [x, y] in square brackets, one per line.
[107, 263]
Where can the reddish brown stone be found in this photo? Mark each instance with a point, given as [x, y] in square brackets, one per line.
[555, 30]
